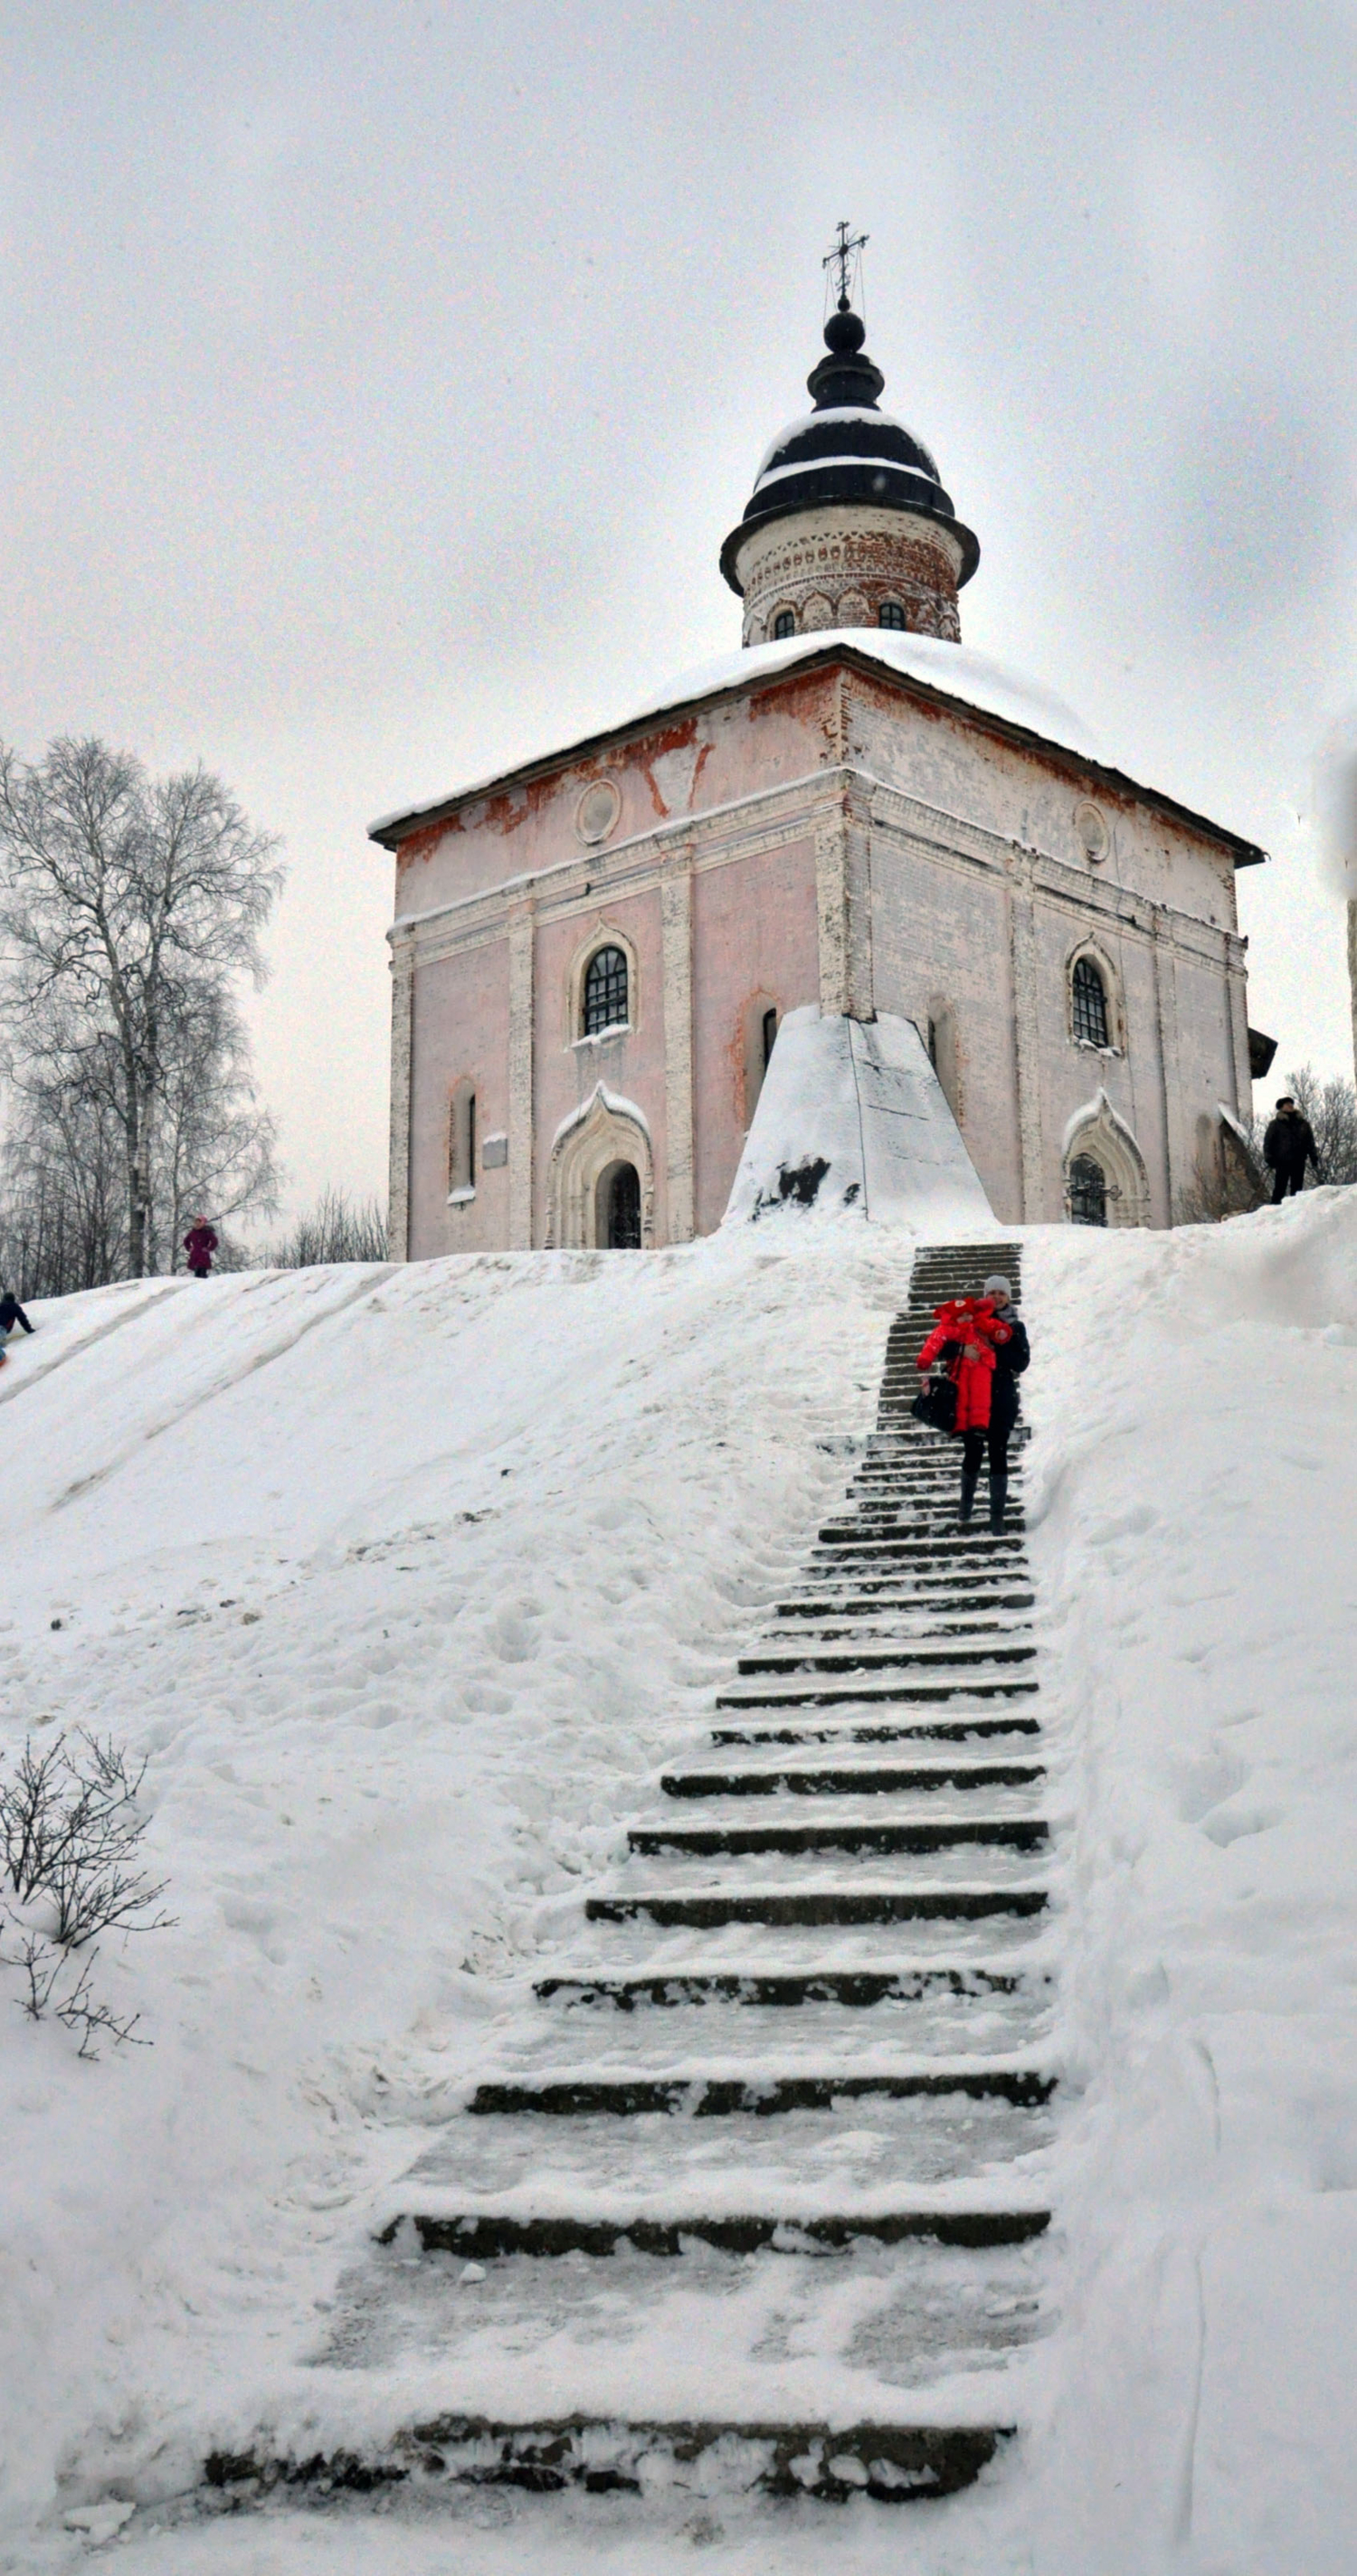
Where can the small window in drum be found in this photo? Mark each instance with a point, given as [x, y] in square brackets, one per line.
[784, 624]
[892, 615]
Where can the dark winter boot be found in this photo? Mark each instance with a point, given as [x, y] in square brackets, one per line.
[970, 1478]
[998, 1496]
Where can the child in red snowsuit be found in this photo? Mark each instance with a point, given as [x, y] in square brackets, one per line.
[967, 1328]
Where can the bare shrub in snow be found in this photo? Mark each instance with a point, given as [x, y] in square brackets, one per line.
[70, 1867]
[337, 1228]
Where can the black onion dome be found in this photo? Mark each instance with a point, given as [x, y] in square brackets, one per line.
[847, 450]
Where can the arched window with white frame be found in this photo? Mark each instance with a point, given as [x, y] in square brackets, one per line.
[606, 993]
[1090, 1018]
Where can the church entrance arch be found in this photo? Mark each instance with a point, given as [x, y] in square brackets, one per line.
[617, 1223]
[1106, 1182]
[601, 1179]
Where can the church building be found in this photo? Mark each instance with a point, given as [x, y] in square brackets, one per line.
[592, 953]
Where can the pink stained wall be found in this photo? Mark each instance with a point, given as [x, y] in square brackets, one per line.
[754, 933]
[460, 1029]
[780, 732]
[566, 1067]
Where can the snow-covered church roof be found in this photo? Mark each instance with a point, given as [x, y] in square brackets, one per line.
[947, 671]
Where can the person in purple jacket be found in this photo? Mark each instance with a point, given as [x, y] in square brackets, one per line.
[200, 1243]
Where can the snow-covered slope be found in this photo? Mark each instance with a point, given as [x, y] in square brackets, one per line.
[405, 1579]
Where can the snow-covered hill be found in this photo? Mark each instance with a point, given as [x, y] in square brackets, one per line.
[405, 1579]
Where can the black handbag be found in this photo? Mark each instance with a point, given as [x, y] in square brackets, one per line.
[935, 1405]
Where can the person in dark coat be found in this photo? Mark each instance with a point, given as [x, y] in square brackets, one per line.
[1287, 1147]
[200, 1243]
[1010, 1359]
[11, 1313]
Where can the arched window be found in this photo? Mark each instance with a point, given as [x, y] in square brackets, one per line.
[619, 1209]
[769, 1034]
[784, 624]
[758, 1036]
[1088, 995]
[1088, 1191]
[605, 992]
[891, 614]
[462, 1142]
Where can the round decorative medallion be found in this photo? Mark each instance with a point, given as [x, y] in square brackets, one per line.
[1091, 827]
[597, 812]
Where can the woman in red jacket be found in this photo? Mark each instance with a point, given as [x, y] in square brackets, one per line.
[968, 1333]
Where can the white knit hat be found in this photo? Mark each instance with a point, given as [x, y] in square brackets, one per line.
[998, 1286]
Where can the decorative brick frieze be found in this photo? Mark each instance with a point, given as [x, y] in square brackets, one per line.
[842, 564]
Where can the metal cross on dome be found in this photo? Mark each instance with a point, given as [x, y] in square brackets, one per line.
[848, 248]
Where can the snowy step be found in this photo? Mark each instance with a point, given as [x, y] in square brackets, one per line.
[642, 1946]
[951, 2144]
[809, 1865]
[637, 1945]
[955, 2146]
[879, 1599]
[776, 1777]
[709, 2096]
[707, 2457]
[961, 1550]
[884, 1688]
[886, 2463]
[942, 2026]
[868, 1533]
[958, 1730]
[791, 1904]
[486, 2236]
[880, 1628]
[884, 1658]
[758, 1990]
[888, 1476]
[848, 1834]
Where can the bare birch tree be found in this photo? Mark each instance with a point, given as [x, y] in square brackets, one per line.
[129, 907]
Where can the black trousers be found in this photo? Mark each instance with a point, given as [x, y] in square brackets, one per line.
[1285, 1179]
[975, 1443]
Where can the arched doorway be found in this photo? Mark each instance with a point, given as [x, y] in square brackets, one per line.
[1088, 1191]
[601, 1178]
[1106, 1182]
[619, 1208]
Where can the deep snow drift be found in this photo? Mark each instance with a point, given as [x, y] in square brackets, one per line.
[406, 1578]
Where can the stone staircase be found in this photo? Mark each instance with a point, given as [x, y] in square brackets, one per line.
[754, 2198]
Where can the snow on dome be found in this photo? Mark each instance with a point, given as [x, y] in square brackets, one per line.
[842, 415]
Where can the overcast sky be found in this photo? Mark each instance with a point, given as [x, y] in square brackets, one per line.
[379, 381]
